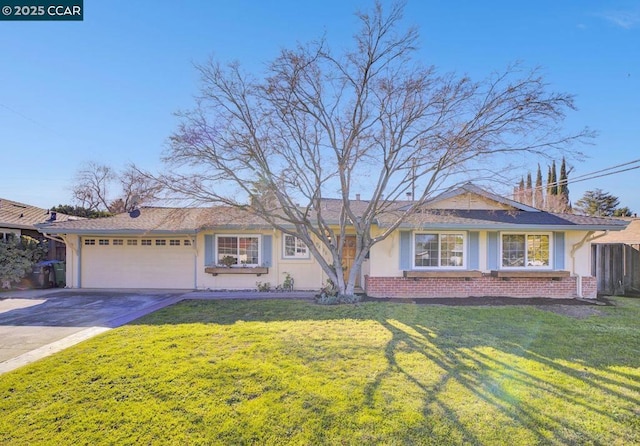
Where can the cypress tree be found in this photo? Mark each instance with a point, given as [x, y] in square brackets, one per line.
[528, 192]
[538, 193]
[554, 179]
[563, 186]
[521, 190]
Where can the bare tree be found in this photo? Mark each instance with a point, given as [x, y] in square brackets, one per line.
[91, 186]
[98, 187]
[320, 124]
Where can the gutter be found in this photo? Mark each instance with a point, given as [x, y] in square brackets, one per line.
[587, 238]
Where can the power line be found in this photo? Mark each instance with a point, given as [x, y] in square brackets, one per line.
[605, 174]
[608, 168]
[40, 124]
[591, 175]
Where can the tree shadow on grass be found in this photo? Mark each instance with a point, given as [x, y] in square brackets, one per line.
[492, 380]
[526, 368]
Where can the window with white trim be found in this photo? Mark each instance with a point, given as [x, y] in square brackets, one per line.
[294, 248]
[132, 242]
[161, 242]
[525, 250]
[118, 242]
[145, 242]
[243, 249]
[7, 236]
[89, 241]
[439, 250]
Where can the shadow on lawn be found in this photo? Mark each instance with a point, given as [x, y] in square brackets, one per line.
[528, 366]
[474, 370]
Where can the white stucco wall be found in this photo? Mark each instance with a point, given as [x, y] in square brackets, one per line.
[385, 257]
[183, 266]
[580, 263]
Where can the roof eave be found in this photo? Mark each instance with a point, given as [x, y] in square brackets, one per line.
[33, 227]
[511, 226]
[56, 231]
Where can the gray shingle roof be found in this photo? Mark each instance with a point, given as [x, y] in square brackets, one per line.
[159, 220]
[499, 219]
[190, 220]
[177, 220]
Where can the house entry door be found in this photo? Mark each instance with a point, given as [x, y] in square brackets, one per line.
[348, 257]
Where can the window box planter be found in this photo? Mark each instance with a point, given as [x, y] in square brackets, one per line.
[466, 274]
[215, 270]
[554, 275]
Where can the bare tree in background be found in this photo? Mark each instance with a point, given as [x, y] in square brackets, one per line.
[322, 124]
[98, 187]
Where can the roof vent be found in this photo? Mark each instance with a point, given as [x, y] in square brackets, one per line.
[357, 197]
[53, 216]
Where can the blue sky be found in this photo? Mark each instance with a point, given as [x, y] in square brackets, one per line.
[105, 89]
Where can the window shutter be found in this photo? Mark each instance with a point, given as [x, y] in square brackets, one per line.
[558, 250]
[267, 250]
[405, 250]
[208, 249]
[492, 250]
[474, 250]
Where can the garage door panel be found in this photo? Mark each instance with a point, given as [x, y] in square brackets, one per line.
[137, 266]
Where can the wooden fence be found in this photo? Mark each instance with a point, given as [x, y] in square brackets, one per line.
[616, 267]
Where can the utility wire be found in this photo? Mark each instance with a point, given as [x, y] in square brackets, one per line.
[591, 175]
[608, 168]
[39, 124]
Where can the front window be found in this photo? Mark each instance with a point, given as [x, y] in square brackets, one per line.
[7, 236]
[439, 250]
[294, 248]
[238, 250]
[526, 250]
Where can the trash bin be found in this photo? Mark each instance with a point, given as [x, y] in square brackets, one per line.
[60, 272]
[45, 274]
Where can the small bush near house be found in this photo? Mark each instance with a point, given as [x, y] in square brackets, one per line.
[336, 299]
[263, 287]
[17, 257]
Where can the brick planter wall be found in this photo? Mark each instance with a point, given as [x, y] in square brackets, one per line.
[590, 287]
[473, 287]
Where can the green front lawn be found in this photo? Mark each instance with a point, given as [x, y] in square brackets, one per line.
[291, 372]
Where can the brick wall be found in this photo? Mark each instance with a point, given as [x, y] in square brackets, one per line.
[590, 287]
[473, 287]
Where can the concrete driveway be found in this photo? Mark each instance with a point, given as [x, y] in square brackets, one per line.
[38, 323]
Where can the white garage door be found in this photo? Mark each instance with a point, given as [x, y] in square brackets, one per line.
[137, 263]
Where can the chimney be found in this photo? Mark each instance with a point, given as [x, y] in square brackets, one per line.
[53, 216]
[408, 195]
[357, 197]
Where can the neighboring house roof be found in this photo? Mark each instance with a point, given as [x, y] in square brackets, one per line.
[23, 216]
[511, 215]
[630, 235]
